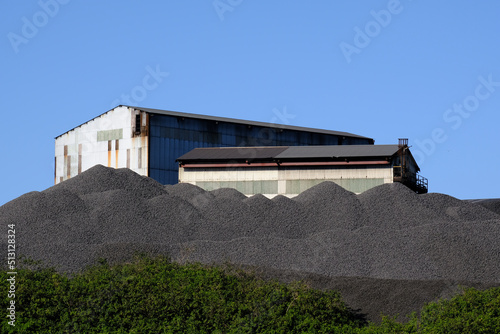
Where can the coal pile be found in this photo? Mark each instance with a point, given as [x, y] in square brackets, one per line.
[326, 234]
[492, 204]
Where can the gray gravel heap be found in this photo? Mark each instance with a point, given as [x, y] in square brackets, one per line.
[385, 233]
[492, 204]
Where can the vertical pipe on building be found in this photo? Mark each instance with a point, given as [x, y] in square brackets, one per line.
[79, 159]
[109, 153]
[117, 149]
[139, 157]
[66, 170]
[128, 158]
[68, 167]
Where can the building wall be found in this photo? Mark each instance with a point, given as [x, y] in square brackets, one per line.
[411, 164]
[172, 136]
[110, 140]
[289, 181]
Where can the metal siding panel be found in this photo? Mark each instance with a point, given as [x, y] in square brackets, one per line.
[154, 131]
[180, 136]
[257, 186]
[163, 131]
[241, 187]
[153, 145]
[269, 187]
[170, 150]
[159, 152]
[249, 188]
[196, 117]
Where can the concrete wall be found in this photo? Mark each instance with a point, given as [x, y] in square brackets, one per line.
[110, 140]
[288, 181]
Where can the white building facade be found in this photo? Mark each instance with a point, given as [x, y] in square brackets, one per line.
[116, 139]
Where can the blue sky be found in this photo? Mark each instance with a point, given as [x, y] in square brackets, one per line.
[417, 69]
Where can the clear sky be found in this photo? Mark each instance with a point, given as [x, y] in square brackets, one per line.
[424, 70]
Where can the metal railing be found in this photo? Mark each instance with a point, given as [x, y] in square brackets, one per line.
[416, 182]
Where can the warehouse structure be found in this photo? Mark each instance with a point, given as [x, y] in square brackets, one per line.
[289, 170]
[149, 140]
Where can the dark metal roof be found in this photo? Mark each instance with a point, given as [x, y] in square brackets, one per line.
[338, 151]
[289, 152]
[245, 122]
[232, 153]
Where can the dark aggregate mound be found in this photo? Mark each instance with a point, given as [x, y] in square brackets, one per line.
[387, 249]
[228, 193]
[492, 204]
[394, 206]
[328, 205]
[103, 178]
[456, 209]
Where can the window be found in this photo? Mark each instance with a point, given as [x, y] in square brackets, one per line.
[138, 124]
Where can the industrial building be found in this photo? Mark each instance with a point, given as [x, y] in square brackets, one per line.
[289, 170]
[148, 141]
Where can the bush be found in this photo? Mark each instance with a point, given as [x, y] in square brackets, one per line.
[158, 296]
[471, 311]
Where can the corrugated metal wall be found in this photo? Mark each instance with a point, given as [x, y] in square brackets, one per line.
[171, 137]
